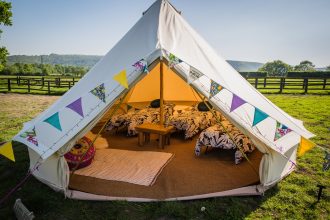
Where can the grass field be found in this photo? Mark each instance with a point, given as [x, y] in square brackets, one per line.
[292, 198]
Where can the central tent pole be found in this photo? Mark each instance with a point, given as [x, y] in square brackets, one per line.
[161, 120]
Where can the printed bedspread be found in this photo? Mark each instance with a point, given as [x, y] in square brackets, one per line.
[215, 136]
[137, 117]
[191, 122]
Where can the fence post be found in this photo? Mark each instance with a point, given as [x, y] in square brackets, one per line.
[28, 81]
[281, 85]
[69, 84]
[59, 82]
[43, 81]
[324, 83]
[48, 85]
[265, 82]
[306, 85]
[256, 83]
[18, 80]
[73, 81]
[9, 86]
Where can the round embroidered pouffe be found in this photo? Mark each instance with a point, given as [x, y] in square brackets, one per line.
[78, 150]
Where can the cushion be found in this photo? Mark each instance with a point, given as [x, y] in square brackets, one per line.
[155, 103]
[202, 107]
[73, 157]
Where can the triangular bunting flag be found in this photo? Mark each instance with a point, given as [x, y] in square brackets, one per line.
[99, 92]
[54, 120]
[121, 78]
[173, 60]
[259, 116]
[281, 130]
[141, 66]
[30, 136]
[76, 107]
[236, 102]
[305, 145]
[194, 74]
[129, 107]
[215, 88]
[7, 150]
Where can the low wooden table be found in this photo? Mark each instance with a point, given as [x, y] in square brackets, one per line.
[146, 129]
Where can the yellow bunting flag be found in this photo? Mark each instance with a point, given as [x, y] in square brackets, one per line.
[121, 78]
[7, 151]
[305, 145]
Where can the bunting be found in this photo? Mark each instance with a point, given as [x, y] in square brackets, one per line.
[194, 74]
[173, 60]
[258, 117]
[281, 130]
[7, 150]
[76, 107]
[99, 92]
[236, 102]
[141, 65]
[54, 121]
[215, 88]
[305, 145]
[30, 136]
[121, 78]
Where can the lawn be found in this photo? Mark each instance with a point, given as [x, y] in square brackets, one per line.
[292, 198]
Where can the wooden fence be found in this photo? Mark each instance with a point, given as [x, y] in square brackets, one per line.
[291, 84]
[46, 85]
[60, 85]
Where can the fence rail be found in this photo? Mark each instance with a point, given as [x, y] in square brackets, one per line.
[59, 85]
[46, 85]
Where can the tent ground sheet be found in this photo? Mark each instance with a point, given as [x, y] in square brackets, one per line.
[138, 167]
[184, 175]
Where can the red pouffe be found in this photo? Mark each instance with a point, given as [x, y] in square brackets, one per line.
[78, 150]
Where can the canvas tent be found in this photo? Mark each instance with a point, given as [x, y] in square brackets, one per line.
[161, 33]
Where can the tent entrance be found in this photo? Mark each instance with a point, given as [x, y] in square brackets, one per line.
[184, 175]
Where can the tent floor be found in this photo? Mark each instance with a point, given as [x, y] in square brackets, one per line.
[184, 175]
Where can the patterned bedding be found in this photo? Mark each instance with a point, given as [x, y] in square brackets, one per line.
[215, 136]
[191, 122]
[137, 117]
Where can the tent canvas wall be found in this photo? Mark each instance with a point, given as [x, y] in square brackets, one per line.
[161, 31]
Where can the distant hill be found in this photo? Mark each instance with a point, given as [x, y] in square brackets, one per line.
[91, 60]
[69, 60]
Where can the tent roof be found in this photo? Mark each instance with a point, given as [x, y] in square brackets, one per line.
[160, 29]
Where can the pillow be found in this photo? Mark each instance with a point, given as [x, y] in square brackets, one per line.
[155, 103]
[77, 151]
[202, 106]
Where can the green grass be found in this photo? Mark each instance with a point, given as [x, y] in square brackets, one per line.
[292, 198]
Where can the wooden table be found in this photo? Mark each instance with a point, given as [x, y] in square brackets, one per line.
[146, 129]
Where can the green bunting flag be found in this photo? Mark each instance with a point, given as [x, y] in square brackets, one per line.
[259, 116]
[281, 130]
[54, 120]
[215, 88]
[30, 136]
[99, 92]
[173, 60]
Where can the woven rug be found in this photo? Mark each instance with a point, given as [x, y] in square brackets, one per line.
[137, 167]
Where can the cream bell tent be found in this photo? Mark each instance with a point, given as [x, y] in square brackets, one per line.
[130, 73]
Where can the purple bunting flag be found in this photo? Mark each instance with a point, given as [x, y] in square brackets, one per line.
[236, 102]
[141, 65]
[76, 107]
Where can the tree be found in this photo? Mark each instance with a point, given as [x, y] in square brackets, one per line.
[276, 68]
[305, 66]
[5, 19]
[328, 68]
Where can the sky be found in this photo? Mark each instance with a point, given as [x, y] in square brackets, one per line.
[246, 30]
